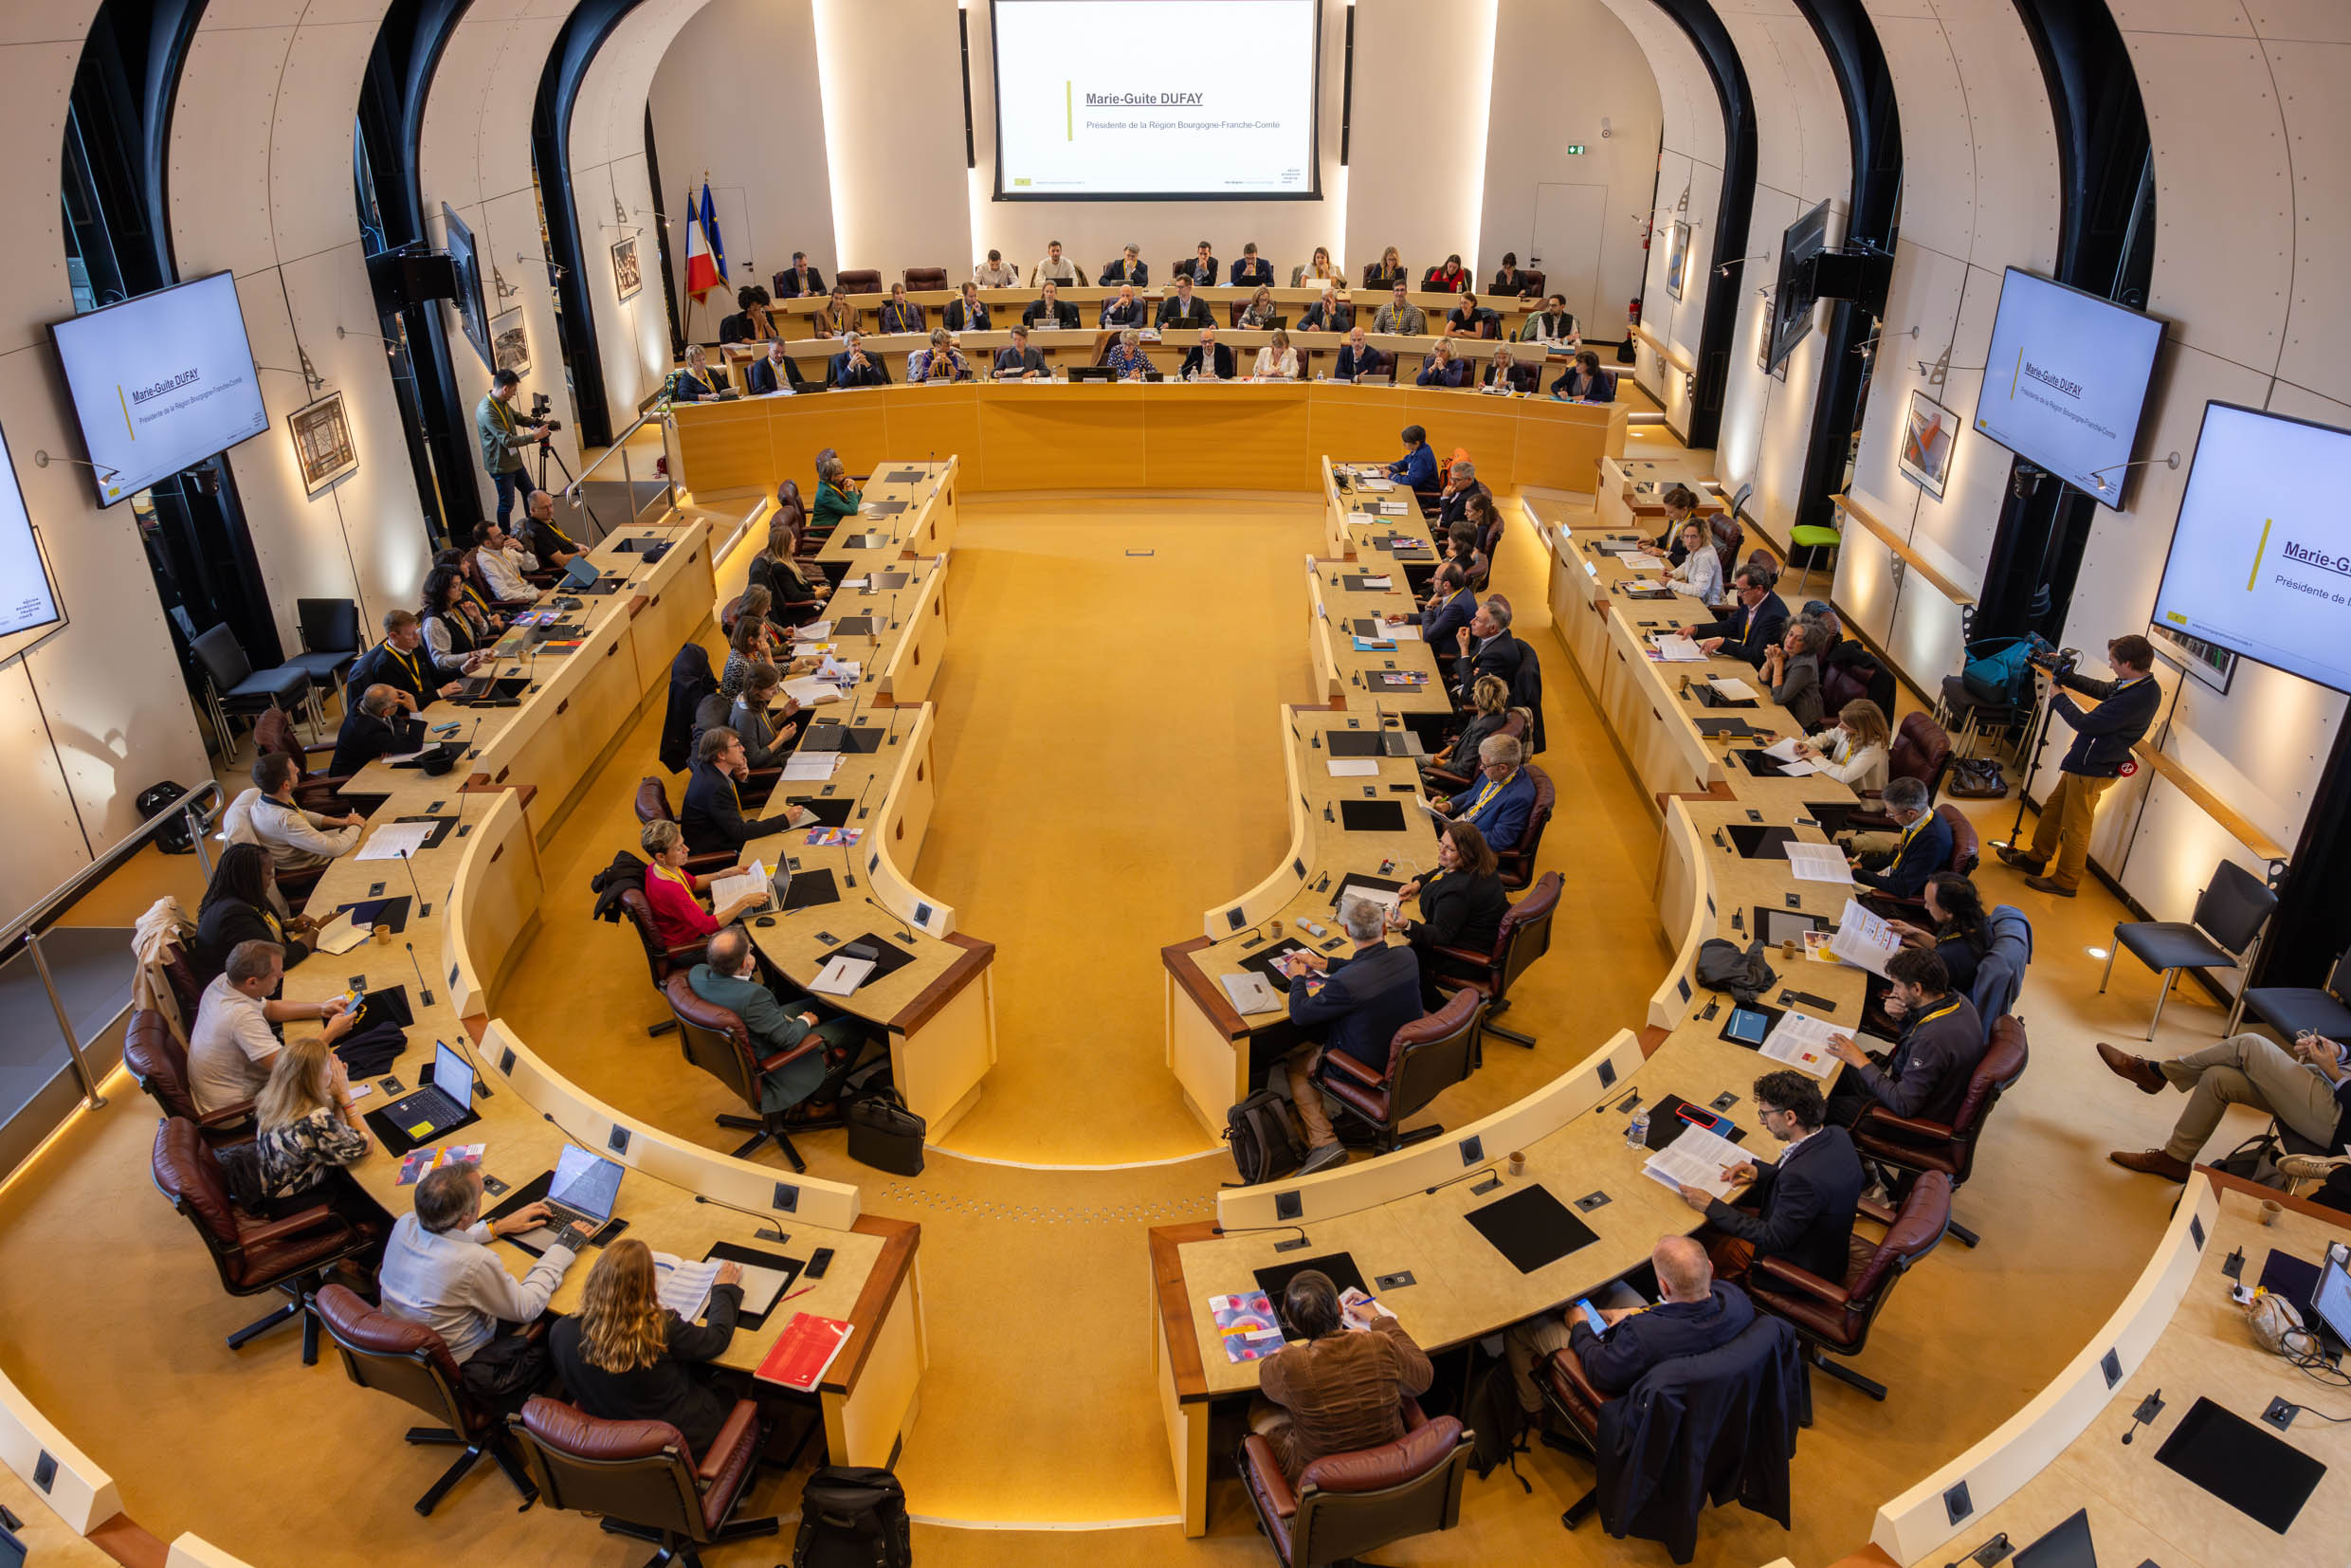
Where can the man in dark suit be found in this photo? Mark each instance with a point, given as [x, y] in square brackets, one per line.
[1129, 268]
[1123, 309]
[376, 728]
[1354, 1005]
[1180, 309]
[1461, 483]
[1451, 608]
[713, 815]
[1200, 269]
[1484, 647]
[1018, 358]
[1502, 798]
[1925, 1075]
[1748, 631]
[969, 314]
[1358, 358]
[1050, 311]
[1800, 1209]
[1209, 358]
[801, 280]
[773, 370]
[1251, 270]
[1920, 847]
[1698, 1314]
[854, 367]
[403, 662]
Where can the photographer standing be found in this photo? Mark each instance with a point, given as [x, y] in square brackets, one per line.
[504, 435]
[2103, 737]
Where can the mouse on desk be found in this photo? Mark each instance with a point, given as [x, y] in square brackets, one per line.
[765, 920]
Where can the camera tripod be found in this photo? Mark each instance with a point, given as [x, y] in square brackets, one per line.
[2049, 673]
[547, 452]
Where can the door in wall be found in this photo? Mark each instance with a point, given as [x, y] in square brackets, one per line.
[1570, 222]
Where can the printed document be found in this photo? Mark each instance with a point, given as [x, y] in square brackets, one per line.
[1695, 1159]
[1817, 863]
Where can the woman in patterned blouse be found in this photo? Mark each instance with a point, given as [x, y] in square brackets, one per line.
[308, 1130]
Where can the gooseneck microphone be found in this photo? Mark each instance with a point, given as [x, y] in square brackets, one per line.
[768, 1230]
[1299, 1244]
[423, 990]
[422, 907]
[1484, 1170]
[906, 932]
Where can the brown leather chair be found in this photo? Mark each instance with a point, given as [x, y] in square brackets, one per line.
[661, 961]
[410, 1362]
[179, 972]
[1425, 1059]
[157, 1060]
[1515, 862]
[255, 1256]
[641, 1478]
[653, 805]
[919, 278]
[1921, 750]
[1931, 1148]
[273, 731]
[1349, 1503]
[1525, 935]
[714, 1040]
[857, 280]
[471, 567]
[1966, 849]
[1832, 1317]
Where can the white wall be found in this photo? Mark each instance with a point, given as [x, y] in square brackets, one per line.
[1416, 154]
[894, 136]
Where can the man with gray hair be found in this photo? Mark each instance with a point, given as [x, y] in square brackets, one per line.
[439, 1270]
[1461, 483]
[1756, 623]
[730, 978]
[1356, 1005]
[1499, 802]
[1486, 647]
[1900, 862]
[378, 729]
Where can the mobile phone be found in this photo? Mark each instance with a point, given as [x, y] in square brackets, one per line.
[1697, 1117]
[1592, 1316]
[817, 1263]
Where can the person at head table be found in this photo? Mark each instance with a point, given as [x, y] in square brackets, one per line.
[1334, 312]
[1277, 360]
[1354, 1006]
[1250, 269]
[1503, 796]
[1504, 374]
[1358, 359]
[1552, 326]
[230, 1043]
[1399, 317]
[941, 361]
[835, 317]
[802, 280]
[1387, 272]
[1695, 1313]
[1050, 311]
[1800, 1209]
[713, 816]
[378, 728]
[969, 313]
[402, 661]
[1259, 313]
[624, 1357]
[1209, 360]
[1450, 278]
[854, 367]
[995, 272]
[1126, 359]
[696, 380]
[750, 321]
[1200, 266]
[1509, 282]
[297, 840]
[1461, 905]
[1585, 381]
[1340, 1386]
[1055, 268]
[1471, 319]
[1016, 358]
[1440, 369]
[899, 313]
[1315, 271]
[1123, 310]
[1417, 468]
[549, 542]
[772, 372]
[1129, 268]
[1181, 308]
[731, 977]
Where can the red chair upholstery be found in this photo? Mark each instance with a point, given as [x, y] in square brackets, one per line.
[1932, 1148]
[1426, 1058]
[1921, 750]
[715, 1039]
[1524, 935]
[471, 568]
[1832, 1317]
[859, 280]
[919, 277]
[154, 1055]
[412, 1362]
[1515, 862]
[179, 972]
[653, 805]
[255, 1256]
[641, 1477]
[661, 961]
[1348, 1503]
[273, 731]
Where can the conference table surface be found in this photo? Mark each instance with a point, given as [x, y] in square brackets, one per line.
[792, 315]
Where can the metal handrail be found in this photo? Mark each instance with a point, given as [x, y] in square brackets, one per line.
[618, 442]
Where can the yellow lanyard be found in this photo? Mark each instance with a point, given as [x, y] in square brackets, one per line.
[275, 929]
[1483, 795]
[671, 874]
[1910, 833]
[408, 663]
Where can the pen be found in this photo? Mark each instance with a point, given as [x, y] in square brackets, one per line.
[802, 1291]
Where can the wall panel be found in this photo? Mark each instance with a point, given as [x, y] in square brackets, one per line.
[1416, 161]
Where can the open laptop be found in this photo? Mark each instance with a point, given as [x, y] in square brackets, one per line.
[582, 1191]
[439, 1108]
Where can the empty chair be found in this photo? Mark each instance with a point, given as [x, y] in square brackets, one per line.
[2224, 932]
[1525, 935]
[1921, 750]
[1346, 1504]
[159, 1064]
[919, 278]
[1922, 1148]
[1833, 1315]
[653, 805]
[2293, 1009]
[1426, 1058]
[332, 641]
[234, 687]
[641, 1478]
[862, 280]
[714, 1040]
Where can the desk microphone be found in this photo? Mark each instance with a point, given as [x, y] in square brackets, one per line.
[861, 796]
[893, 613]
[1300, 1245]
[767, 1230]
[905, 933]
[481, 1079]
[1484, 1170]
[422, 907]
[422, 990]
[2149, 1408]
[893, 724]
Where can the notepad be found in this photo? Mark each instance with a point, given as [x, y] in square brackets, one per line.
[1676, 649]
[1352, 767]
[805, 1351]
[1817, 861]
[395, 841]
[1733, 688]
[841, 975]
[810, 767]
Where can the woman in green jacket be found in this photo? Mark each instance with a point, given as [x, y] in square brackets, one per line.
[834, 499]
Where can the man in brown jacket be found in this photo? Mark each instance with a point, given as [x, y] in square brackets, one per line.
[1344, 1388]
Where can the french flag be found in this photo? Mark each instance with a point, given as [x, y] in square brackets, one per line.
[706, 253]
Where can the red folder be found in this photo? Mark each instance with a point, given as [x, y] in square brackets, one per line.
[805, 1351]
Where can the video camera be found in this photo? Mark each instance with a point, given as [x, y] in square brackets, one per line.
[540, 406]
[2059, 661]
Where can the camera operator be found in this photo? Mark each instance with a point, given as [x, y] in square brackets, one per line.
[504, 435]
[2103, 737]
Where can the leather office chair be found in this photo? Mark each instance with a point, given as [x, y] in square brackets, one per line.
[661, 961]
[1921, 750]
[160, 1066]
[921, 278]
[1832, 1317]
[1922, 1148]
[2224, 932]
[714, 1040]
[1967, 850]
[332, 641]
[1525, 935]
[410, 1362]
[641, 1477]
[1514, 724]
[274, 732]
[255, 1256]
[179, 972]
[1426, 1058]
[1515, 862]
[859, 280]
[2291, 1009]
[234, 687]
[1350, 1503]
[653, 805]
[469, 565]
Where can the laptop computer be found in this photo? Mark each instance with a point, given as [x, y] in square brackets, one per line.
[493, 688]
[582, 1190]
[433, 1111]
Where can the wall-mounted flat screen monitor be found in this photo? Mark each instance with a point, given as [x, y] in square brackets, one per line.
[160, 382]
[2254, 566]
[1143, 101]
[2064, 382]
[473, 314]
[1796, 292]
[27, 597]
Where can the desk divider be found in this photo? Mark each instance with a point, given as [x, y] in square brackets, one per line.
[1367, 1184]
[192, 1551]
[1918, 1521]
[1681, 907]
[1257, 905]
[492, 900]
[80, 1493]
[898, 834]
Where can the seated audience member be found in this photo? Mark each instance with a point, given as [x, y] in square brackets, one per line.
[1047, 311]
[402, 661]
[1315, 271]
[1958, 930]
[1357, 359]
[1489, 711]
[230, 1045]
[1334, 312]
[1509, 282]
[306, 1130]
[624, 1356]
[1417, 468]
[1480, 511]
[676, 894]
[1759, 620]
[1487, 647]
[1017, 359]
[1400, 315]
[802, 280]
[1388, 272]
[1451, 607]
[747, 645]
[750, 321]
[1680, 504]
[835, 496]
[1123, 310]
[1461, 542]
[439, 1270]
[854, 367]
[772, 372]
[1440, 369]
[1126, 359]
[1200, 266]
[1340, 1386]
[1585, 381]
[1461, 484]
[1855, 749]
[731, 979]
[836, 318]
[1259, 313]
[1504, 374]
[899, 313]
[266, 814]
[549, 543]
[1925, 1075]
[795, 598]
[1499, 803]
[1055, 268]
[713, 816]
[1920, 847]
[995, 272]
[1800, 1209]
[1461, 903]
[1792, 665]
[454, 621]
[503, 559]
[1356, 1005]
[967, 314]
[1553, 327]
[1209, 360]
[768, 733]
[1698, 574]
[696, 381]
[1129, 270]
[240, 905]
[2306, 1086]
[1450, 278]
[377, 728]
[1251, 268]
[1277, 360]
[1182, 308]
[941, 361]
[1696, 1313]
[1470, 320]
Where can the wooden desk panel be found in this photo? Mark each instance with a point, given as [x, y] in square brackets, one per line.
[931, 424]
[1356, 424]
[1055, 437]
[1251, 437]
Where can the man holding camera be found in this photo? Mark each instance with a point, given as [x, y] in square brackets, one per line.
[2103, 737]
[503, 436]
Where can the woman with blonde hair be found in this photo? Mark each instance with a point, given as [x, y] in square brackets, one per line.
[1261, 310]
[1855, 749]
[1490, 710]
[1277, 360]
[797, 600]
[1314, 271]
[624, 1357]
[306, 1129]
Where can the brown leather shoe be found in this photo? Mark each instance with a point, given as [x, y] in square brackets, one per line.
[2021, 859]
[2135, 1069]
[2152, 1162]
[2056, 890]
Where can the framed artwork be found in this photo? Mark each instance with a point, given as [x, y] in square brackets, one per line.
[626, 273]
[1927, 430]
[1677, 258]
[2207, 661]
[510, 343]
[322, 446]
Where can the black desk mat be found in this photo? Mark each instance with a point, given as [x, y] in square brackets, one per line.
[1760, 843]
[369, 913]
[1339, 1266]
[1263, 963]
[810, 888]
[1354, 742]
[441, 826]
[1531, 1229]
[1396, 680]
[831, 813]
[890, 957]
[1666, 1123]
[826, 735]
[1371, 817]
[728, 1252]
[2248, 1467]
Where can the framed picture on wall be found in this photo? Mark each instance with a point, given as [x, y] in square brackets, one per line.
[1677, 258]
[626, 273]
[1927, 430]
[510, 343]
[322, 446]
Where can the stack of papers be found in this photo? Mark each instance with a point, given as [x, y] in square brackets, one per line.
[1863, 939]
[1674, 648]
[1354, 767]
[1640, 561]
[683, 1287]
[1817, 863]
[1378, 585]
[1245, 1325]
[809, 691]
[338, 935]
[1695, 1159]
[1791, 765]
[1734, 688]
[815, 631]
[1398, 630]
[734, 885]
[810, 767]
[1801, 1041]
[395, 840]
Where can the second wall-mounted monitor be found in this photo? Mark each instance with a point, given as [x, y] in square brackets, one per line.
[472, 312]
[1796, 292]
[2066, 380]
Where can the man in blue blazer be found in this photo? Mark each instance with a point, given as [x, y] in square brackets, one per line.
[1698, 1314]
[1921, 848]
[731, 979]
[1355, 1005]
[1759, 622]
[1251, 270]
[1358, 358]
[854, 367]
[1800, 1209]
[1451, 607]
[1417, 468]
[1499, 802]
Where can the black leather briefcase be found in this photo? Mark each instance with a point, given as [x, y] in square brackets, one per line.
[884, 1134]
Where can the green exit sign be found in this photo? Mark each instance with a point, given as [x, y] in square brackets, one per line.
[1574, 147]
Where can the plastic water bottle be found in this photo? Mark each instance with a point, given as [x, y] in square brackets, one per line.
[1637, 1135]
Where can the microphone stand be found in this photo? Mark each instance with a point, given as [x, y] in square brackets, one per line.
[1299, 1244]
[768, 1230]
[423, 990]
[1483, 1171]
[422, 907]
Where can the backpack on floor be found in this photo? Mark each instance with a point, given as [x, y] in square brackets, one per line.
[1264, 1147]
[1496, 1424]
[852, 1516]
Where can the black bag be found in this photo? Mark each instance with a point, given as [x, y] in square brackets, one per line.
[884, 1134]
[152, 801]
[1496, 1424]
[1265, 1146]
[852, 1516]
[1722, 966]
[1976, 778]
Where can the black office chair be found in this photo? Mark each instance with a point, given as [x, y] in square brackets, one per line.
[331, 643]
[2224, 932]
[234, 687]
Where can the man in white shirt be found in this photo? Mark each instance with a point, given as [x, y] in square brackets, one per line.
[230, 1046]
[266, 814]
[439, 1270]
[503, 559]
[996, 272]
[1055, 268]
[1553, 327]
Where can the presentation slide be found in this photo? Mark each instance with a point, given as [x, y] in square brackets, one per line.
[161, 382]
[2064, 382]
[1105, 99]
[2256, 565]
[27, 598]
